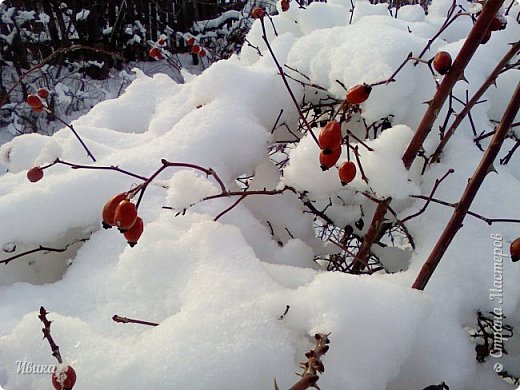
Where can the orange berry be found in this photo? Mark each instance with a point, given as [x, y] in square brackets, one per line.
[125, 215]
[328, 160]
[442, 62]
[132, 235]
[347, 172]
[330, 137]
[109, 210]
[358, 93]
[34, 174]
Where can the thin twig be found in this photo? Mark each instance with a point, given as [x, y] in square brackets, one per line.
[429, 198]
[126, 320]
[487, 220]
[286, 83]
[89, 153]
[40, 249]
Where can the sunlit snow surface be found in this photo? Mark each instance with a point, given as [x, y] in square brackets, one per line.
[218, 289]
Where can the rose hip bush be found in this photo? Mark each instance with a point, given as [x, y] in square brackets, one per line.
[241, 220]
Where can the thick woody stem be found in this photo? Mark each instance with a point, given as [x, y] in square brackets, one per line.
[373, 232]
[470, 192]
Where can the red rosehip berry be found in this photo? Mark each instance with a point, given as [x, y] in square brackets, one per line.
[486, 37]
[330, 137]
[347, 172]
[125, 215]
[514, 250]
[329, 160]
[64, 377]
[195, 49]
[358, 93]
[284, 4]
[155, 53]
[132, 235]
[34, 174]
[109, 210]
[43, 93]
[257, 13]
[161, 42]
[442, 62]
[35, 102]
[190, 41]
[498, 24]
[202, 53]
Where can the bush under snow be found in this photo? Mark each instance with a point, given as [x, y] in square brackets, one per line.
[218, 288]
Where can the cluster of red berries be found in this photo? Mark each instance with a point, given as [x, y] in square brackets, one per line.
[330, 138]
[155, 52]
[196, 49]
[329, 141]
[37, 101]
[63, 378]
[122, 213]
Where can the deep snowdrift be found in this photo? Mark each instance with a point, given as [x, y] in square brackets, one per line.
[218, 289]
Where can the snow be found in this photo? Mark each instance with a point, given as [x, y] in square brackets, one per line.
[219, 287]
[83, 14]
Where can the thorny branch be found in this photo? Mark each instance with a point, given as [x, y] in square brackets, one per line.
[469, 105]
[47, 334]
[456, 72]
[470, 192]
[313, 366]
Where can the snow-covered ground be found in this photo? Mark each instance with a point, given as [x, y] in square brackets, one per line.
[218, 289]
